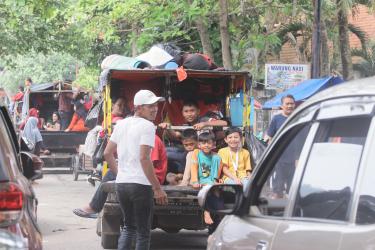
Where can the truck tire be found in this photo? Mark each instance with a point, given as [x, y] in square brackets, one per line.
[109, 241]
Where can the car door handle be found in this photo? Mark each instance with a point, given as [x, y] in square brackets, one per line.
[262, 245]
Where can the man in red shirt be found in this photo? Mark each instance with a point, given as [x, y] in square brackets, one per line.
[159, 160]
[19, 95]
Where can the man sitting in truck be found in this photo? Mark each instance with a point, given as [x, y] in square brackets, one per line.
[191, 114]
[159, 160]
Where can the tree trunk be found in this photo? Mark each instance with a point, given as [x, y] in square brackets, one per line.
[346, 60]
[315, 41]
[224, 35]
[294, 10]
[204, 36]
[324, 56]
[135, 34]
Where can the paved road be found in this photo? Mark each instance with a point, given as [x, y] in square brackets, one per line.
[58, 195]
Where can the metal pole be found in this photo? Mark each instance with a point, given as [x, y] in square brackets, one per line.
[316, 42]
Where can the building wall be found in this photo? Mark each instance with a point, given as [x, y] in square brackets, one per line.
[365, 20]
[362, 18]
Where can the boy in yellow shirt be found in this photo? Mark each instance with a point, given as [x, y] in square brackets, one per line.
[235, 159]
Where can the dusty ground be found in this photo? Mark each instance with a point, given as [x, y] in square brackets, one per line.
[58, 195]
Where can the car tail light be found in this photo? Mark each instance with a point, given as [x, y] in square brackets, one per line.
[11, 203]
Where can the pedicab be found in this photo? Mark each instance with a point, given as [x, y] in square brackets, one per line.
[63, 146]
[86, 161]
[217, 91]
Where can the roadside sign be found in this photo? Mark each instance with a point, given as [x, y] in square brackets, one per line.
[285, 76]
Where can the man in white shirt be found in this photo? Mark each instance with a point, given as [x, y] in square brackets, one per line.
[136, 183]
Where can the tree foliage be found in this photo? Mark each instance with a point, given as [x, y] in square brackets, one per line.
[87, 31]
[41, 68]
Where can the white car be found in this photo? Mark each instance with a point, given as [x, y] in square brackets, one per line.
[314, 186]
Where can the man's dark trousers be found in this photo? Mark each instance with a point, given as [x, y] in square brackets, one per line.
[137, 203]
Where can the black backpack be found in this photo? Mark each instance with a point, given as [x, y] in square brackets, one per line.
[93, 115]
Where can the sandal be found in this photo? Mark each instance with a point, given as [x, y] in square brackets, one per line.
[81, 213]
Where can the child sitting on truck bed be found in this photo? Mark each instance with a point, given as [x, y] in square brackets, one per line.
[189, 140]
[206, 169]
[236, 160]
[191, 115]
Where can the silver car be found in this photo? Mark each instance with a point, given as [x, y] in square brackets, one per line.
[314, 187]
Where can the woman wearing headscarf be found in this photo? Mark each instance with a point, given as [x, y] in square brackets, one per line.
[33, 112]
[32, 134]
[78, 119]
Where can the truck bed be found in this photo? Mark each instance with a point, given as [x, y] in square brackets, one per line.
[63, 141]
[181, 212]
[172, 191]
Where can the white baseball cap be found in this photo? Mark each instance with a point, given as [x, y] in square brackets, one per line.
[145, 96]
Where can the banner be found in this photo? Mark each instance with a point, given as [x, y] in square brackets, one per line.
[285, 76]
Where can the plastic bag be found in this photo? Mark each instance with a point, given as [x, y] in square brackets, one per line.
[93, 115]
[256, 147]
[99, 151]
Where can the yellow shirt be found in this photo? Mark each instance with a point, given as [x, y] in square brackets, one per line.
[229, 159]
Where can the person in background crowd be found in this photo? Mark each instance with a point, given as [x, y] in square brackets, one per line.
[78, 120]
[288, 105]
[284, 170]
[16, 105]
[33, 112]
[136, 183]
[88, 101]
[33, 136]
[65, 106]
[19, 95]
[55, 124]
[28, 82]
[4, 100]
[28, 85]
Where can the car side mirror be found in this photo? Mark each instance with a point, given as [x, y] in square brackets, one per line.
[32, 166]
[221, 198]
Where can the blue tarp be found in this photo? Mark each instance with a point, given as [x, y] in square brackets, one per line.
[303, 90]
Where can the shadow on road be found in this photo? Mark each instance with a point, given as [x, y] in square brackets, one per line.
[183, 240]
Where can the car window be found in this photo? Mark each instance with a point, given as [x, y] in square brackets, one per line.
[366, 204]
[326, 189]
[275, 191]
[8, 162]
